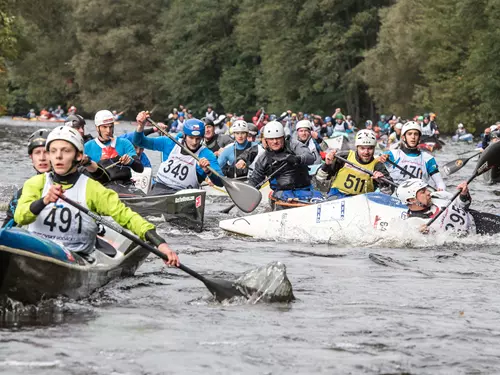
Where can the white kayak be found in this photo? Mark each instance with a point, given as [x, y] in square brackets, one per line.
[323, 220]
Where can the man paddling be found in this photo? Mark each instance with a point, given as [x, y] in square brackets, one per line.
[116, 155]
[178, 169]
[227, 158]
[40, 209]
[213, 141]
[311, 139]
[345, 179]
[40, 161]
[458, 217]
[78, 122]
[293, 182]
[409, 157]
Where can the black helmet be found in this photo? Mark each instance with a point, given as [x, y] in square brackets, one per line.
[37, 139]
[208, 121]
[252, 129]
[75, 121]
[427, 116]
[495, 134]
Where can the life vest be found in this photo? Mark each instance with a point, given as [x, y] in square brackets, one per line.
[230, 170]
[179, 171]
[416, 165]
[352, 181]
[427, 129]
[108, 153]
[65, 224]
[213, 144]
[340, 128]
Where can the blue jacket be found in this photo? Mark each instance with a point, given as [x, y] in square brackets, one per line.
[226, 157]
[144, 158]
[166, 145]
[123, 146]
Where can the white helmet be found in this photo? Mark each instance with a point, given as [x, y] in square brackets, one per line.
[365, 137]
[409, 188]
[306, 124]
[274, 129]
[411, 125]
[493, 127]
[65, 133]
[239, 126]
[398, 126]
[460, 126]
[104, 117]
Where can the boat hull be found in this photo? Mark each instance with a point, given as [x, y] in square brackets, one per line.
[48, 271]
[185, 208]
[324, 220]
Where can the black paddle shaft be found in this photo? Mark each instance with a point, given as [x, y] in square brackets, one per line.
[132, 237]
[366, 171]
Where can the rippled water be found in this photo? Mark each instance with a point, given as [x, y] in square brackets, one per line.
[366, 304]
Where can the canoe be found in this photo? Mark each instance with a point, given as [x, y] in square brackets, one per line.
[338, 142]
[33, 268]
[323, 220]
[185, 208]
[39, 119]
[463, 138]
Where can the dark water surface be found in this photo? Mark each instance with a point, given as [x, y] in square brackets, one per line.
[385, 305]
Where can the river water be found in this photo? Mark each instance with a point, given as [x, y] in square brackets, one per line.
[365, 305]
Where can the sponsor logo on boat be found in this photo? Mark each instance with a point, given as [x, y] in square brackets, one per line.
[342, 210]
[184, 199]
[198, 201]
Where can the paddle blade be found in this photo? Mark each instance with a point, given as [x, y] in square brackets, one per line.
[456, 165]
[244, 196]
[223, 289]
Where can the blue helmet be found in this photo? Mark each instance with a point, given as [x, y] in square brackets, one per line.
[272, 117]
[194, 127]
[328, 119]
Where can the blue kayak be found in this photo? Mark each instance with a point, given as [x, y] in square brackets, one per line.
[33, 268]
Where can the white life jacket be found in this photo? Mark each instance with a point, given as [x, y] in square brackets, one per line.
[427, 129]
[416, 165]
[179, 171]
[339, 128]
[65, 224]
[455, 218]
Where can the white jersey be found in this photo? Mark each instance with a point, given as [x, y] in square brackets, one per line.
[421, 166]
[455, 218]
[179, 171]
[427, 129]
[65, 224]
[339, 128]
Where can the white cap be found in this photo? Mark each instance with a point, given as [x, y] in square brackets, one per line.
[239, 126]
[303, 124]
[65, 133]
[365, 137]
[411, 125]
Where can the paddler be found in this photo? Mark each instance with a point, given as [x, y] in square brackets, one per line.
[43, 214]
[409, 157]
[347, 180]
[293, 182]
[178, 169]
[41, 163]
[311, 139]
[78, 122]
[227, 158]
[213, 141]
[458, 217]
[116, 155]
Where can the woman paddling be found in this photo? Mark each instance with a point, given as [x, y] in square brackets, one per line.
[44, 214]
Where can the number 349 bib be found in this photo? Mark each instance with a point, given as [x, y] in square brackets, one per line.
[179, 171]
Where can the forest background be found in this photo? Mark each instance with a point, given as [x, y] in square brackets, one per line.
[367, 57]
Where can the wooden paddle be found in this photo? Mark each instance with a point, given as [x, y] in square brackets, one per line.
[456, 165]
[366, 171]
[221, 289]
[259, 186]
[244, 196]
[489, 159]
